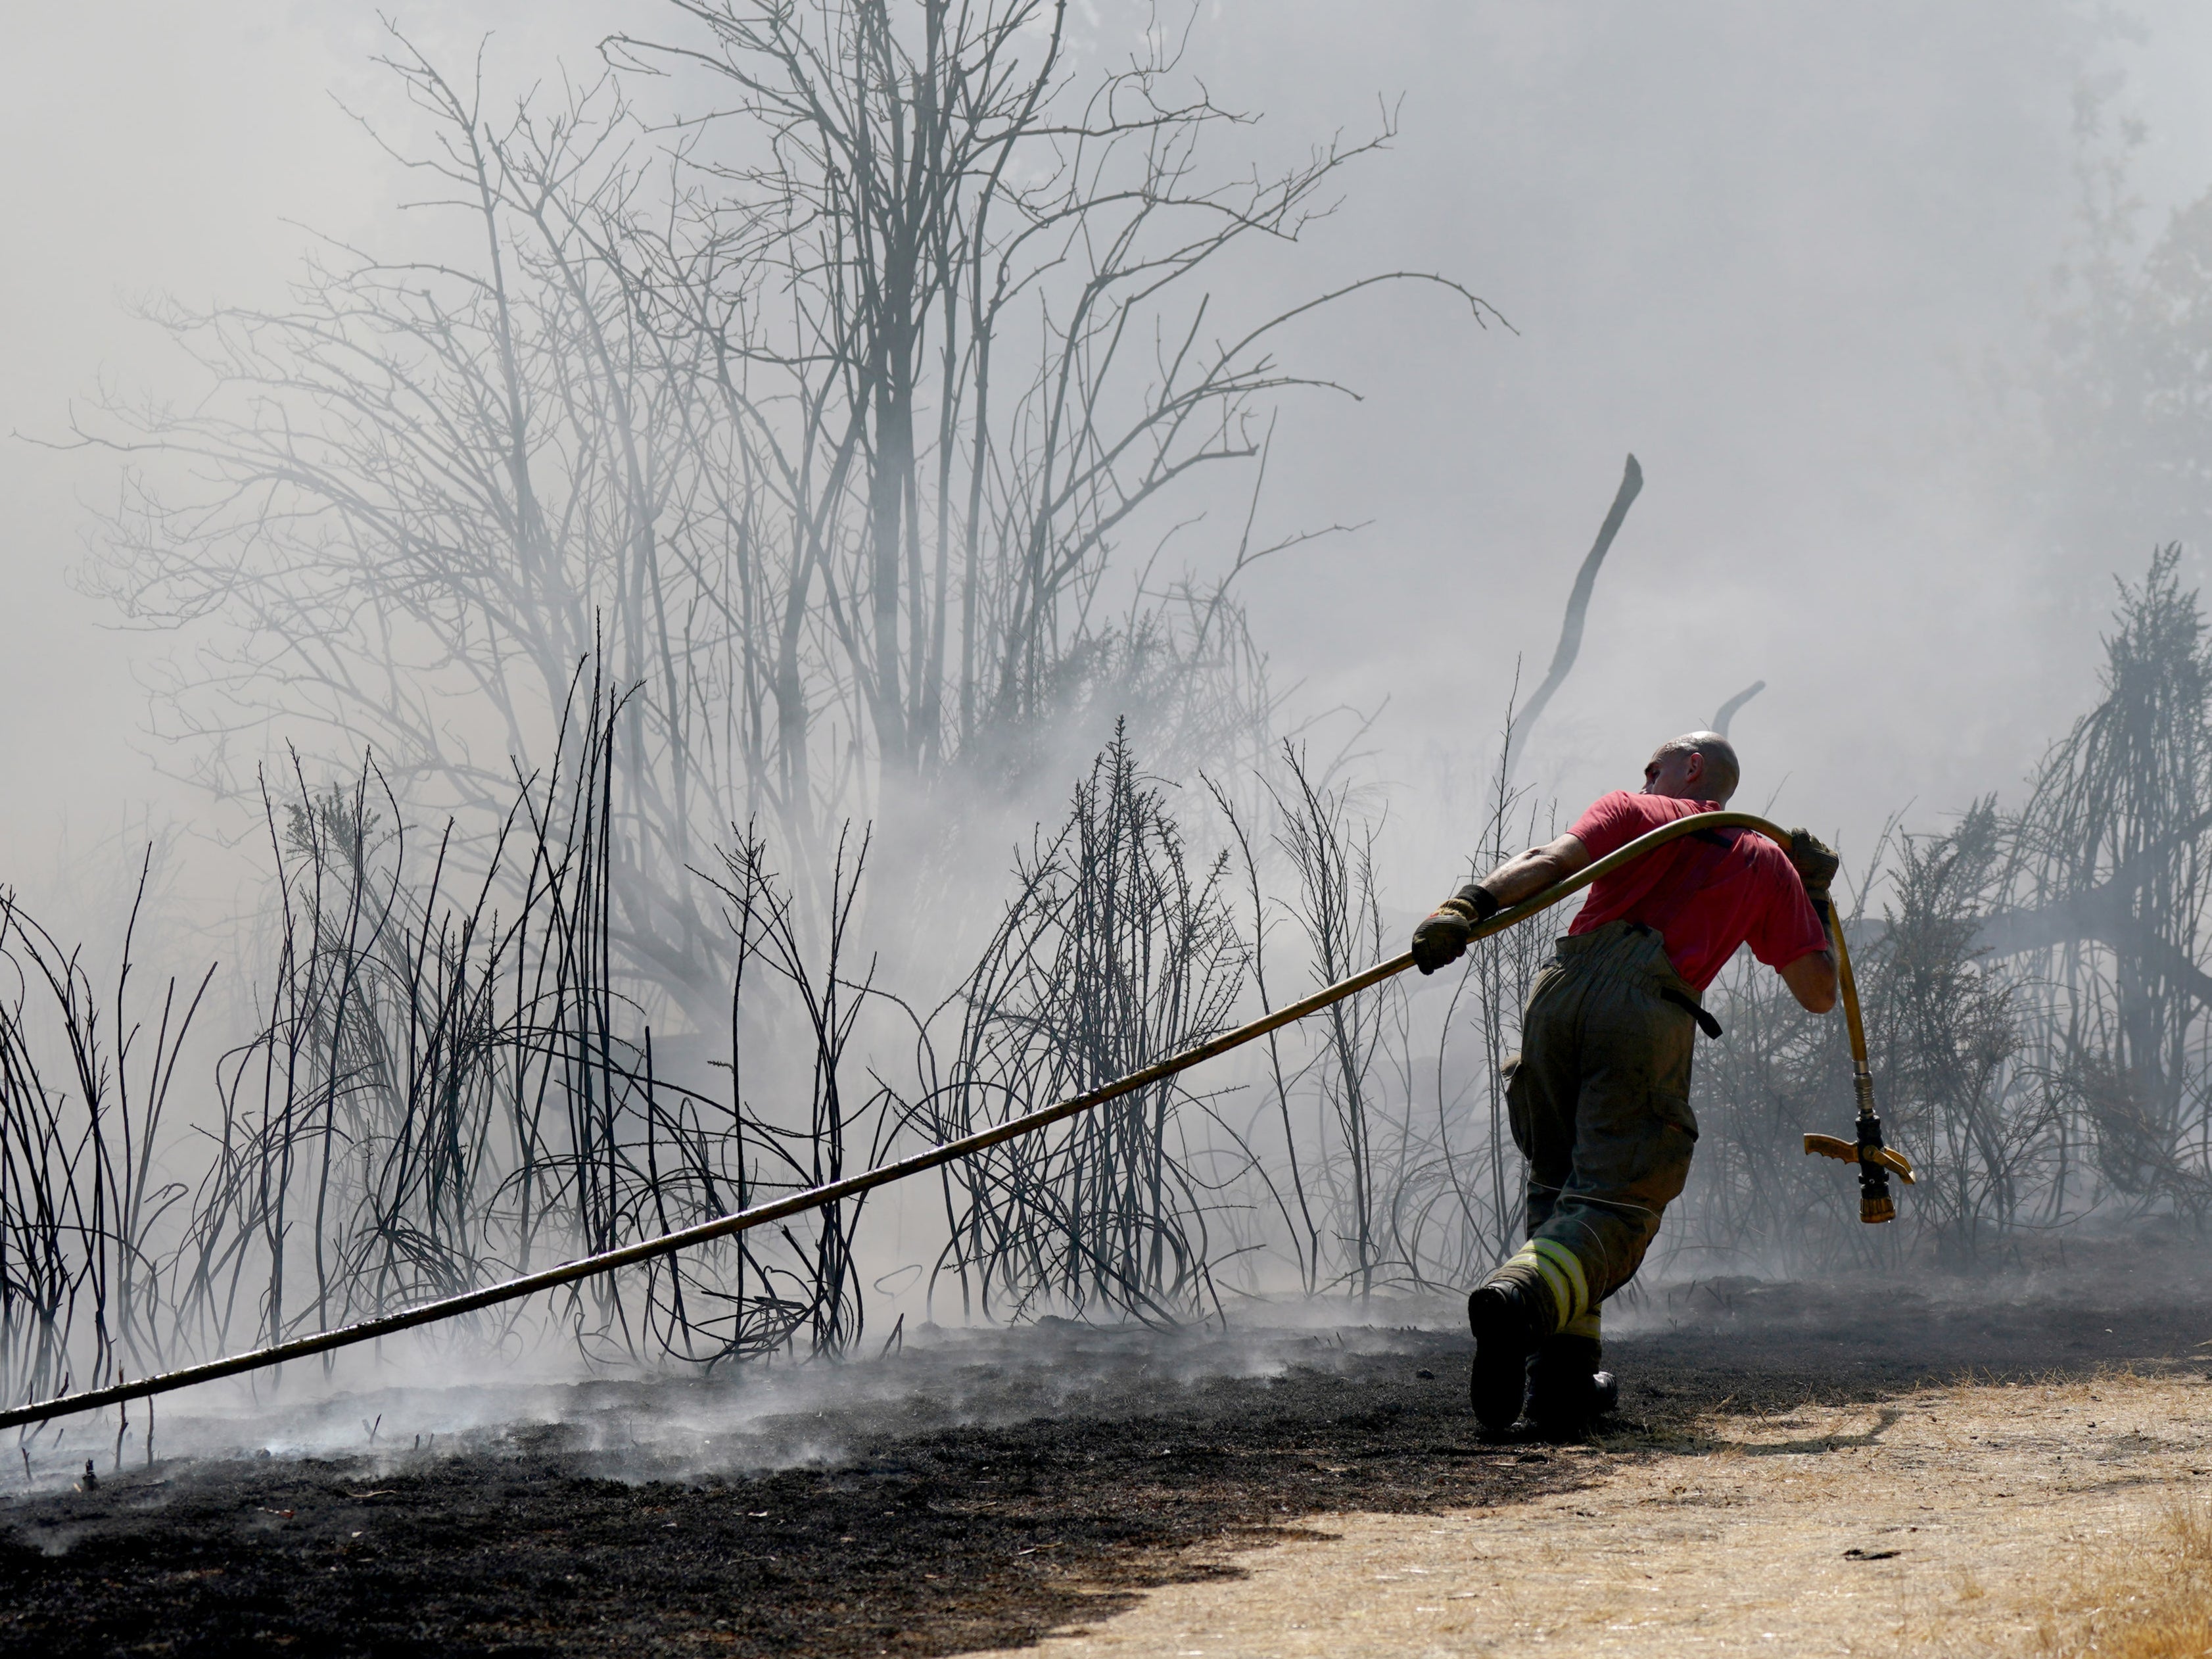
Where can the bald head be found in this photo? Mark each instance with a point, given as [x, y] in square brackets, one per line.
[1696, 766]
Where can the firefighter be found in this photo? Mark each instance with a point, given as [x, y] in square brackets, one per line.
[1599, 1095]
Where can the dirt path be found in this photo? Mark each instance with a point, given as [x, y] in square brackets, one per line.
[1284, 1493]
[1955, 1520]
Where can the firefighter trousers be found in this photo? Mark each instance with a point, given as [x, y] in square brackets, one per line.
[1599, 1101]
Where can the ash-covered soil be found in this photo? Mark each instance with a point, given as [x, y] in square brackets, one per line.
[976, 1492]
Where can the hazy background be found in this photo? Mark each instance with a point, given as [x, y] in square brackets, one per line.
[1798, 259]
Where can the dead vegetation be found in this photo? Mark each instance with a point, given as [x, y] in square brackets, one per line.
[2148, 1598]
[453, 1078]
[662, 558]
[2034, 994]
[765, 607]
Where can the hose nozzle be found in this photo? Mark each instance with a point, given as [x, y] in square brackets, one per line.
[1875, 1205]
[1876, 1162]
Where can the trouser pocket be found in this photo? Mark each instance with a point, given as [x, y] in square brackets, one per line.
[1673, 1110]
[1514, 1074]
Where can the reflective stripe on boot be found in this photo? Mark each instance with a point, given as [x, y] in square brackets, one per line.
[1549, 1263]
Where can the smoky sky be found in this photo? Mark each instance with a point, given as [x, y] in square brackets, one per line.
[1798, 257]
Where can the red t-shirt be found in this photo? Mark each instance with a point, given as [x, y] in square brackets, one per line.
[1705, 893]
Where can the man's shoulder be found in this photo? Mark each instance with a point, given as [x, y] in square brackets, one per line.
[1606, 819]
[1766, 852]
[1777, 877]
[1625, 805]
[1615, 801]
[1612, 821]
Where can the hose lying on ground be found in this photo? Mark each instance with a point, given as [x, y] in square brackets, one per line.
[1029, 1123]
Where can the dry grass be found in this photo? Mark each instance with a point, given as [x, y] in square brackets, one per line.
[2149, 1599]
[2062, 1517]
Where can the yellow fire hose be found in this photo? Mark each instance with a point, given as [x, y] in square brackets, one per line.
[1875, 1160]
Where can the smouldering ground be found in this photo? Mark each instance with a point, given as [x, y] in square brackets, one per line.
[1262, 1493]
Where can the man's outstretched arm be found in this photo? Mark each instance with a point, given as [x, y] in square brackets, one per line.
[1444, 937]
[1528, 873]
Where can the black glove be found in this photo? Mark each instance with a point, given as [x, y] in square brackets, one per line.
[1443, 938]
[1816, 864]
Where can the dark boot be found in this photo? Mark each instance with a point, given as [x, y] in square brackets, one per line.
[1507, 1319]
[1567, 1393]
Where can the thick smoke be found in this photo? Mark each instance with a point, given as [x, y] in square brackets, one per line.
[1877, 299]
